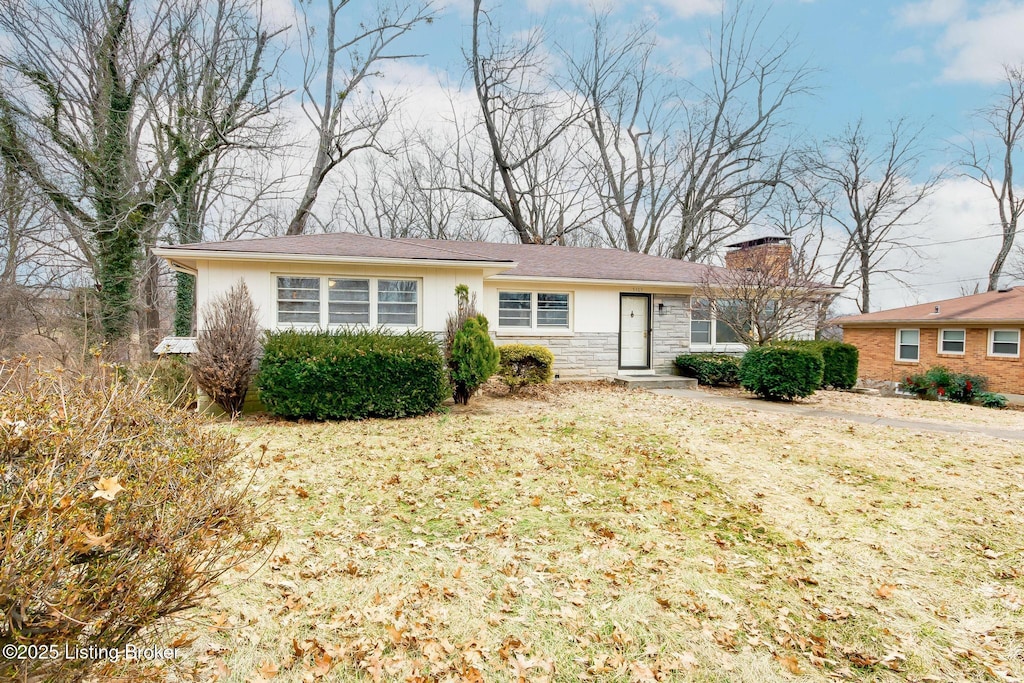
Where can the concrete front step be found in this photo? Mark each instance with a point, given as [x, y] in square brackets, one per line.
[655, 382]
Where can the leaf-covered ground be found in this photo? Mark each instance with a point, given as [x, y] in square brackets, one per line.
[598, 534]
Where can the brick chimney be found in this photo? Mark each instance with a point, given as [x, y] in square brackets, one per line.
[770, 254]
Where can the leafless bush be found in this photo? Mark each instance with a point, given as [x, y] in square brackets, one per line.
[117, 512]
[228, 349]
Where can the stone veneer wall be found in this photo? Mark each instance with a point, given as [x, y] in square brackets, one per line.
[671, 331]
[581, 355]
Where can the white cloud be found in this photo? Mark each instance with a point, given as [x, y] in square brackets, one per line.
[975, 39]
[959, 243]
[691, 8]
[278, 13]
[982, 45]
[930, 12]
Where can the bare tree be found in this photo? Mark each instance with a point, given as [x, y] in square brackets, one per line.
[732, 159]
[762, 302]
[215, 47]
[866, 189]
[991, 162]
[74, 114]
[523, 123]
[346, 114]
[634, 162]
[402, 196]
[800, 215]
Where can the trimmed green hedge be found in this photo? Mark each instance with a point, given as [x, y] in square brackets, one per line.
[780, 372]
[523, 364]
[841, 361]
[351, 375]
[710, 369]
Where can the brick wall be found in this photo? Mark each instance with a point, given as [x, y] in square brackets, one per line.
[878, 357]
[771, 258]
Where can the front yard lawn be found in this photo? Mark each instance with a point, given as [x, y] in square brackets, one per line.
[599, 534]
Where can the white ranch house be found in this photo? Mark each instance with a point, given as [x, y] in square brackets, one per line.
[602, 312]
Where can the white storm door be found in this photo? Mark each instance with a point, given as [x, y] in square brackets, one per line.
[634, 347]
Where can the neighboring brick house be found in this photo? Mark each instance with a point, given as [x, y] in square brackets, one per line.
[978, 334]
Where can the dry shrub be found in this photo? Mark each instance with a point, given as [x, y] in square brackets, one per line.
[169, 379]
[228, 349]
[116, 512]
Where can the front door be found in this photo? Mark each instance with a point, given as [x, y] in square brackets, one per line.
[634, 332]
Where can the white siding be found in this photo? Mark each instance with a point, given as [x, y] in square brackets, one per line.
[437, 298]
[592, 308]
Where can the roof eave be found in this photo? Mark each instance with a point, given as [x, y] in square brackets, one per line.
[505, 277]
[187, 259]
[924, 321]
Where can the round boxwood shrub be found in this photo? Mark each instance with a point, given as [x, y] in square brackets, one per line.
[523, 364]
[351, 374]
[780, 373]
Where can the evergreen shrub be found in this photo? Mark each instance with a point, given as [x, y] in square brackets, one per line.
[841, 361]
[710, 369]
[351, 374]
[474, 358]
[781, 373]
[523, 364]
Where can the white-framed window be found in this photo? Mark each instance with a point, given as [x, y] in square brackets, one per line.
[706, 326]
[348, 301]
[397, 302]
[332, 301]
[298, 300]
[533, 310]
[1004, 343]
[952, 341]
[908, 345]
[515, 309]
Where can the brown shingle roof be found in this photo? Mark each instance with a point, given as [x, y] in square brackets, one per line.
[337, 244]
[988, 307]
[541, 261]
[588, 263]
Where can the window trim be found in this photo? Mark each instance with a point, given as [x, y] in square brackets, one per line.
[943, 351]
[992, 342]
[324, 302]
[535, 329]
[899, 344]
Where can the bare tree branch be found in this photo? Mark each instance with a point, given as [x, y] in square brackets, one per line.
[866, 189]
[994, 168]
[334, 80]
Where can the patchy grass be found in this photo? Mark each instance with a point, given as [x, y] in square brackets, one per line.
[945, 412]
[593, 533]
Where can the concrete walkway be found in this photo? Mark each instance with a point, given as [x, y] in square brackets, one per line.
[807, 411]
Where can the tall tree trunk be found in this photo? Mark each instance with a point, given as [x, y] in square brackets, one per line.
[149, 321]
[1009, 233]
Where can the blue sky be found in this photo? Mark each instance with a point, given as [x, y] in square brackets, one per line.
[933, 62]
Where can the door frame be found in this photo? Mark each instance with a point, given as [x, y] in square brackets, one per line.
[650, 330]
